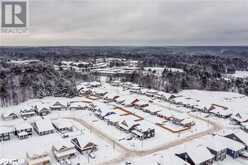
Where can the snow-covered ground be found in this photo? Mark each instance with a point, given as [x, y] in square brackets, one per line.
[115, 146]
[238, 74]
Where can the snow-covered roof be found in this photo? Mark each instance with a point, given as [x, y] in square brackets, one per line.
[110, 96]
[62, 123]
[129, 100]
[83, 141]
[94, 83]
[242, 136]
[99, 90]
[231, 144]
[114, 118]
[43, 109]
[62, 144]
[6, 129]
[120, 99]
[44, 125]
[153, 108]
[214, 142]
[144, 126]
[187, 120]
[221, 111]
[78, 104]
[241, 117]
[151, 91]
[141, 102]
[22, 126]
[8, 113]
[199, 154]
[127, 123]
[58, 105]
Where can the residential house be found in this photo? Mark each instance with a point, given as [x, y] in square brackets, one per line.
[99, 92]
[239, 136]
[244, 127]
[197, 155]
[41, 158]
[116, 83]
[9, 116]
[58, 107]
[234, 148]
[26, 113]
[187, 122]
[104, 112]
[23, 130]
[79, 105]
[62, 125]
[42, 111]
[127, 125]
[220, 111]
[5, 133]
[153, 110]
[141, 104]
[43, 127]
[143, 131]
[120, 100]
[130, 101]
[135, 89]
[151, 93]
[94, 84]
[113, 119]
[240, 118]
[63, 150]
[216, 147]
[84, 147]
[110, 98]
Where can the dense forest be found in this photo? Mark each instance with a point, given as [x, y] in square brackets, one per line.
[21, 82]
[203, 68]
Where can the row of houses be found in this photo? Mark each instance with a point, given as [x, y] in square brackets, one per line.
[221, 112]
[63, 151]
[21, 130]
[43, 111]
[215, 148]
[149, 108]
[41, 127]
[139, 129]
[180, 120]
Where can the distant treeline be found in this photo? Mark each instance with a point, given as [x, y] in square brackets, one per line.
[203, 68]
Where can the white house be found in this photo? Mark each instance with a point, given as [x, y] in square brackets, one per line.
[5, 133]
[43, 127]
[197, 155]
[63, 150]
[58, 106]
[62, 125]
[38, 158]
[23, 130]
[79, 105]
[9, 116]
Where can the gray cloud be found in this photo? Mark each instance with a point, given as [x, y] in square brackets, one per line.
[135, 22]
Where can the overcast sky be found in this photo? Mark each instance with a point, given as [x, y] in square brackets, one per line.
[135, 22]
